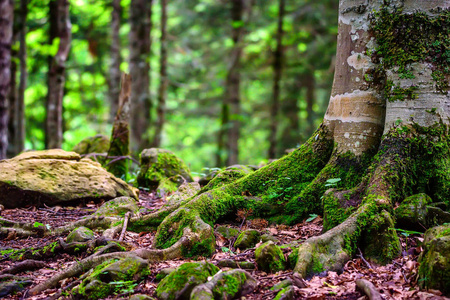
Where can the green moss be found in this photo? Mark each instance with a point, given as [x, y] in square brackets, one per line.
[184, 278]
[270, 258]
[229, 286]
[403, 39]
[158, 165]
[119, 147]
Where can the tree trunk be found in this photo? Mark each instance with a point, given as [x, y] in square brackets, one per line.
[56, 75]
[6, 28]
[12, 97]
[119, 148]
[20, 104]
[232, 105]
[310, 85]
[277, 71]
[140, 19]
[161, 109]
[114, 69]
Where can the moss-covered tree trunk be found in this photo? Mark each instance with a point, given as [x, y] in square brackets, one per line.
[384, 137]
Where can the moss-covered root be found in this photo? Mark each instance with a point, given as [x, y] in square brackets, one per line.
[186, 228]
[331, 250]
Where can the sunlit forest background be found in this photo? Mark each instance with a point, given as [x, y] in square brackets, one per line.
[200, 44]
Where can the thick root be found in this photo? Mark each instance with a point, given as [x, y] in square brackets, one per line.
[331, 250]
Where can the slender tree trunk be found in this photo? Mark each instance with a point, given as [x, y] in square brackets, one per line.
[12, 98]
[161, 109]
[291, 135]
[310, 84]
[114, 70]
[140, 42]
[277, 73]
[6, 24]
[56, 76]
[20, 104]
[232, 105]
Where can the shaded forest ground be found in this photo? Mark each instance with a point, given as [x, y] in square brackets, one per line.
[397, 280]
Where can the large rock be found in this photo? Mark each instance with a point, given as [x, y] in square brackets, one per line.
[56, 176]
[161, 168]
[434, 270]
[270, 258]
[94, 144]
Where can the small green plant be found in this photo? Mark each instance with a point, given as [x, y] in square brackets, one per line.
[311, 218]
[124, 287]
[227, 250]
[38, 224]
[407, 233]
[332, 182]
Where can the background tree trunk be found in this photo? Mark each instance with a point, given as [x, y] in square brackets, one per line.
[6, 30]
[140, 42]
[20, 104]
[277, 73]
[12, 95]
[232, 107]
[56, 76]
[116, 59]
[161, 109]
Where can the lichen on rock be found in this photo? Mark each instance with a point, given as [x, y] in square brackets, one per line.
[56, 176]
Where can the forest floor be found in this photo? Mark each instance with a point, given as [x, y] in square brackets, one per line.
[397, 280]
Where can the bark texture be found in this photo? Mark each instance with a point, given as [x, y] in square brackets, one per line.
[231, 108]
[6, 31]
[116, 59]
[161, 108]
[277, 73]
[140, 41]
[56, 76]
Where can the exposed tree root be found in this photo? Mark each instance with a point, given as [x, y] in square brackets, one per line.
[369, 289]
[26, 265]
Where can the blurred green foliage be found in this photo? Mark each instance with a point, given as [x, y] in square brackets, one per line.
[198, 43]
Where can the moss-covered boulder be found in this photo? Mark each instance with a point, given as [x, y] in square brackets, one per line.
[56, 177]
[180, 283]
[285, 294]
[80, 234]
[118, 206]
[227, 232]
[434, 270]
[158, 165]
[247, 239]
[412, 212]
[381, 243]
[225, 285]
[270, 258]
[112, 277]
[94, 144]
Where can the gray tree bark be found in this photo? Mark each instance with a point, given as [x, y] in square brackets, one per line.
[140, 42]
[6, 24]
[56, 76]
[116, 59]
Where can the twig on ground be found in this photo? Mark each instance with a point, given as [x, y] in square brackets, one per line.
[124, 228]
[25, 265]
[363, 259]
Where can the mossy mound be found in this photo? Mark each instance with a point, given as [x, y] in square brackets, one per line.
[94, 144]
[227, 285]
[179, 284]
[412, 212]
[56, 176]
[185, 191]
[111, 277]
[247, 239]
[13, 286]
[269, 258]
[227, 232]
[159, 164]
[80, 234]
[434, 270]
[228, 175]
[118, 206]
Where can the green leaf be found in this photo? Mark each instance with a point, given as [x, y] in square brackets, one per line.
[311, 217]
